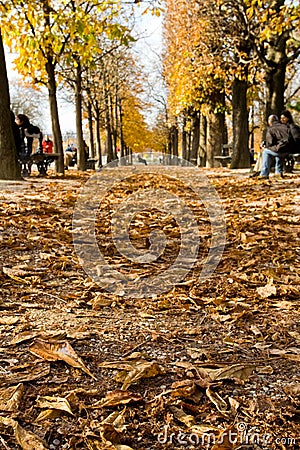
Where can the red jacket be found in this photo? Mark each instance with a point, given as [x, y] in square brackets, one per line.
[47, 146]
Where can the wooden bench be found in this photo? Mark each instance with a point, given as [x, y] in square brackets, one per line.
[90, 163]
[41, 160]
[224, 160]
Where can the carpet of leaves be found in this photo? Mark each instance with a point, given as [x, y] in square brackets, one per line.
[211, 365]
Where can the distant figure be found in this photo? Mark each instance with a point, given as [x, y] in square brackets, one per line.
[142, 160]
[27, 133]
[47, 145]
[276, 133]
[70, 156]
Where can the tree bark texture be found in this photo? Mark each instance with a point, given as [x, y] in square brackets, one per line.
[91, 131]
[56, 130]
[9, 166]
[81, 157]
[195, 138]
[202, 140]
[240, 143]
[215, 136]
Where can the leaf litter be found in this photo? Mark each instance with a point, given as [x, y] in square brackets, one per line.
[81, 368]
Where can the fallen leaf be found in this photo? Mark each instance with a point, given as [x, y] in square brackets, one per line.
[239, 371]
[29, 374]
[10, 397]
[58, 351]
[180, 415]
[9, 320]
[215, 398]
[266, 291]
[118, 397]
[59, 403]
[26, 439]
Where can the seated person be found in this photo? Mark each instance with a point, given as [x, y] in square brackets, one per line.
[47, 145]
[277, 132]
[70, 154]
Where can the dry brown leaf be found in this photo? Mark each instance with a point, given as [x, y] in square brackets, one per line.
[9, 320]
[215, 398]
[10, 397]
[227, 440]
[15, 275]
[59, 403]
[58, 351]
[113, 426]
[295, 358]
[204, 429]
[123, 447]
[118, 397]
[121, 365]
[266, 370]
[234, 405]
[144, 370]
[116, 419]
[48, 414]
[266, 291]
[100, 301]
[97, 444]
[29, 374]
[24, 336]
[239, 371]
[132, 371]
[180, 415]
[292, 389]
[26, 439]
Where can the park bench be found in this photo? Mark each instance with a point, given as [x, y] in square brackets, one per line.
[41, 160]
[224, 160]
[288, 162]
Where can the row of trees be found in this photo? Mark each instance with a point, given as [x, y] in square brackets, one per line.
[227, 55]
[81, 46]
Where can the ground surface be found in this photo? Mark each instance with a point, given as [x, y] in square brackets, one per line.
[211, 364]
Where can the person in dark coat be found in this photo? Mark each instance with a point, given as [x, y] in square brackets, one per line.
[27, 133]
[287, 118]
[277, 132]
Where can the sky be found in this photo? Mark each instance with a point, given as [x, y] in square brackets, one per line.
[147, 49]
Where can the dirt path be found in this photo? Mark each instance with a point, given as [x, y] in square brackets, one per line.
[211, 364]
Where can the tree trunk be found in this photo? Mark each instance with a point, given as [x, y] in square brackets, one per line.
[202, 140]
[240, 143]
[122, 150]
[184, 141]
[98, 136]
[175, 142]
[215, 136]
[81, 157]
[113, 126]
[91, 131]
[109, 144]
[195, 138]
[9, 165]
[56, 130]
[275, 87]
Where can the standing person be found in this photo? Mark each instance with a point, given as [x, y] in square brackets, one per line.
[47, 145]
[277, 133]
